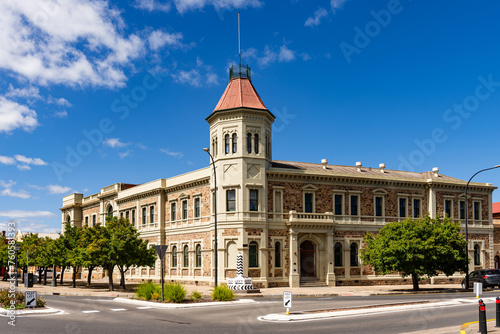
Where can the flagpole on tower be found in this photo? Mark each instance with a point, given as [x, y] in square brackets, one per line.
[239, 44]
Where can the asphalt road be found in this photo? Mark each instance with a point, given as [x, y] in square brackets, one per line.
[103, 315]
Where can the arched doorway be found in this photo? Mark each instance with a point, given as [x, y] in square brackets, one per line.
[307, 261]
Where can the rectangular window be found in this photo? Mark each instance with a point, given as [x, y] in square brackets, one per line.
[133, 217]
[278, 206]
[87, 221]
[308, 202]
[121, 214]
[462, 210]
[416, 208]
[231, 200]
[184, 209]
[94, 220]
[127, 215]
[477, 208]
[197, 212]
[354, 205]
[402, 207]
[338, 204]
[151, 214]
[144, 216]
[254, 200]
[379, 206]
[173, 211]
[253, 260]
[447, 208]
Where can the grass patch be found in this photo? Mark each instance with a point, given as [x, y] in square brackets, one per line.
[175, 292]
[146, 290]
[195, 295]
[18, 297]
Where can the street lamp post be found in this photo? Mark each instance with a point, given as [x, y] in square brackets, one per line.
[16, 247]
[215, 214]
[467, 225]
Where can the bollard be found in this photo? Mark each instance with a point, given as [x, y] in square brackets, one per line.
[482, 319]
[498, 312]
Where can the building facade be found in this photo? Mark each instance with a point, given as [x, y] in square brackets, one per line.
[293, 222]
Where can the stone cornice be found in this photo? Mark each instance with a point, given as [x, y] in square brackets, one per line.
[138, 196]
[233, 113]
[187, 185]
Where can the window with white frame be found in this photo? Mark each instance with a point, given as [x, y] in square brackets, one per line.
[354, 209]
[379, 206]
[309, 202]
[477, 255]
[448, 208]
[173, 211]
[462, 209]
[127, 215]
[186, 256]
[354, 255]
[86, 220]
[226, 144]
[253, 252]
[278, 201]
[417, 207]
[338, 254]
[234, 142]
[133, 217]
[338, 204]
[144, 216]
[231, 200]
[477, 210]
[198, 255]
[174, 257]
[254, 200]
[403, 207]
[197, 207]
[277, 254]
[184, 209]
[94, 220]
[152, 214]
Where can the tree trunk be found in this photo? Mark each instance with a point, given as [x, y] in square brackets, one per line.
[122, 276]
[62, 274]
[414, 278]
[110, 268]
[89, 277]
[45, 275]
[74, 276]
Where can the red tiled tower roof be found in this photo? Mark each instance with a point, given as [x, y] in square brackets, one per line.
[240, 93]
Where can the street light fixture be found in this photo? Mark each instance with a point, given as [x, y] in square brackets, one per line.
[467, 225]
[215, 213]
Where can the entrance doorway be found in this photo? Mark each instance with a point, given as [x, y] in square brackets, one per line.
[307, 261]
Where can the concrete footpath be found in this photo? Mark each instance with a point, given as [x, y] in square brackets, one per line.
[99, 288]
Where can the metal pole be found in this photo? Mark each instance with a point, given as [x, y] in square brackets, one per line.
[482, 319]
[467, 226]
[16, 267]
[498, 312]
[161, 260]
[215, 214]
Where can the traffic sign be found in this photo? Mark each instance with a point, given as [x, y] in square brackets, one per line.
[287, 299]
[30, 298]
[160, 250]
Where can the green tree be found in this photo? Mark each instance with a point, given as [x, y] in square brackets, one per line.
[125, 249]
[94, 240]
[417, 248]
[4, 249]
[31, 247]
[72, 243]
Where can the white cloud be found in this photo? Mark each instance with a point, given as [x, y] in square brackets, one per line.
[5, 184]
[268, 58]
[23, 167]
[28, 92]
[177, 155]
[316, 20]
[7, 160]
[30, 161]
[20, 194]
[57, 189]
[202, 75]
[286, 54]
[61, 114]
[59, 101]
[158, 39]
[152, 5]
[125, 154]
[14, 115]
[73, 42]
[114, 142]
[26, 214]
[186, 5]
[337, 4]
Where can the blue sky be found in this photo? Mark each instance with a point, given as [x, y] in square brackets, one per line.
[98, 92]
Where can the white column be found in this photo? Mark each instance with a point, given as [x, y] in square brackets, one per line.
[294, 279]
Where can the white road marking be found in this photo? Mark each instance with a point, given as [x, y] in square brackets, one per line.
[118, 309]
[92, 311]
[144, 307]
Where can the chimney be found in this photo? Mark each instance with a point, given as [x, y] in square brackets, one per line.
[381, 167]
[435, 170]
[324, 162]
[359, 164]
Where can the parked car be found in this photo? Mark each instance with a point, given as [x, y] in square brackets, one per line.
[489, 277]
[40, 274]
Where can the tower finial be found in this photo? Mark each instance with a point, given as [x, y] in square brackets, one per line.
[239, 44]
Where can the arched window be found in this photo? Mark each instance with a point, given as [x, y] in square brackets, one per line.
[253, 261]
[110, 212]
[226, 144]
[256, 143]
[477, 255]
[338, 254]
[186, 256]
[249, 142]
[174, 257]
[68, 219]
[354, 254]
[277, 254]
[235, 140]
[198, 255]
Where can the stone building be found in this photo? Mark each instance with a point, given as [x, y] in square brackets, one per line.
[294, 222]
